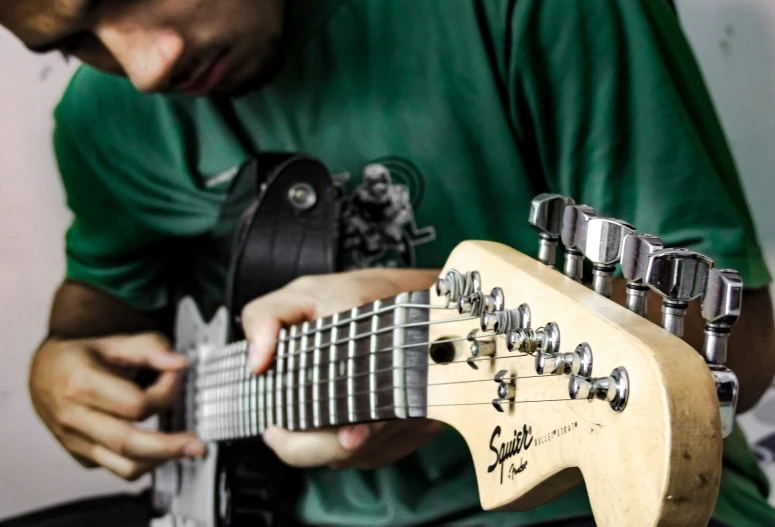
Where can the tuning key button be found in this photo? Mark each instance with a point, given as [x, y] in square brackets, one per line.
[579, 362]
[615, 388]
[678, 275]
[721, 303]
[727, 388]
[575, 221]
[636, 249]
[603, 248]
[545, 340]
[505, 320]
[546, 213]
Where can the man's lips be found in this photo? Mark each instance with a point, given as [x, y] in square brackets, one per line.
[205, 80]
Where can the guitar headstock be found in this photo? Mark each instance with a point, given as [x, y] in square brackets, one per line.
[549, 381]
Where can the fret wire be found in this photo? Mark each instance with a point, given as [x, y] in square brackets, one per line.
[373, 361]
[332, 417]
[430, 385]
[301, 379]
[202, 387]
[351, 365]
[290, 381]
[316, 374]
[279, 388]
[361, 316]
[261, 387]
[403, 326]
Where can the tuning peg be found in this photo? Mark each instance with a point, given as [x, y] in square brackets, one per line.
[636, 249]
[721, 303]
[678, 275]
[545, 340]
[578, 362]
[505, 320]
[603, 248]
[615, 388]
[546, 213]
[575, 220]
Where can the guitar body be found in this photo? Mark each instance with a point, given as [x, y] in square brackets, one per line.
[287, 232]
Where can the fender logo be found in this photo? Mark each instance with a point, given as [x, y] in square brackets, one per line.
[522, 441]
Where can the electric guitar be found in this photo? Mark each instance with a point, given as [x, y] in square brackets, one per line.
[548, 381]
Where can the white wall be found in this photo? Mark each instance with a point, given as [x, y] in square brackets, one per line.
[34, 471]
[734, 41]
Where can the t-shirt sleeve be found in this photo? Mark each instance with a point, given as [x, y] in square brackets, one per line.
[106, 245]
[608, 97]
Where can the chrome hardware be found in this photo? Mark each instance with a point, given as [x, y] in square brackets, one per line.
[721, 303]
[454, 285]
[678, 275]
[302, 196]
[727, 389]
[615, 388]
[636, 249]
[579, 362]
[546, 212]
[575, 220]
[507, 389]
[603, 248]
[484, 347]
[545, 340]
[503, 321]
[478, 303]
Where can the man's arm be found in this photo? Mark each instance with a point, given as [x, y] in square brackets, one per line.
[81, 383]
[751, 345]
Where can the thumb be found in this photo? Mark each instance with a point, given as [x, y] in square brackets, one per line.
[262, 319]
[150, 350]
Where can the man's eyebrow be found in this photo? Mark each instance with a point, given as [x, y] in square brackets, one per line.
[87, 8]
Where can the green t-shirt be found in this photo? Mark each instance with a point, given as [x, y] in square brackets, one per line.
[474, 108]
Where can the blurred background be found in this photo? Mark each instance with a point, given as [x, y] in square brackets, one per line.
[734, 41]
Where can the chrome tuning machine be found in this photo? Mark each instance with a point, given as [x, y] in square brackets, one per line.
[454, 284]
[578, 362]
[603, 248]
[615, 388]
[575, 220]
[678, 275]
[544, 340]
[478, 303]
[636, 249]
[507, 389]
[721, 303]
[546, 212]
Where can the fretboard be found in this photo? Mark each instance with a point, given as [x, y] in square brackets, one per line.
[366, 364]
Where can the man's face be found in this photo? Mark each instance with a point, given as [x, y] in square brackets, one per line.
[185, 46]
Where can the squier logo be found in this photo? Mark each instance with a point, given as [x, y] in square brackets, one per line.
[521, 441]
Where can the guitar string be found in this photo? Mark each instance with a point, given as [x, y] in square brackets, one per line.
[295, 388]
[246, 375]
[313, 329]
[240, 359]
[240, 347]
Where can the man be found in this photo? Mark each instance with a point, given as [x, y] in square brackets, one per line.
[473, 106]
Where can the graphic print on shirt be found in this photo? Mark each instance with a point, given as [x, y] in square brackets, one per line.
[377, 223]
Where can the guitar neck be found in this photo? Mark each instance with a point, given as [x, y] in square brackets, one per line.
[366, 364]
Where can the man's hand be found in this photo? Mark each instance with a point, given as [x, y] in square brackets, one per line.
[82, 391]
[364, 446]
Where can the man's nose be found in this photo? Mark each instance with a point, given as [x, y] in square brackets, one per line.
[147, 55]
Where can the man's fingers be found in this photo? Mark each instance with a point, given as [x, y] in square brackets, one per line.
[307, 449]
[263, 318]
[150, 350]
[162, 393]
[98, 388]
[90, 454]
[130, 441]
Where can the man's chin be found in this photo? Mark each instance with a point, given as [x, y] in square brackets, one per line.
[266, 74]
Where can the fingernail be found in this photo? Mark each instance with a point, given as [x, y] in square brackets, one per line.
[353, 437]
[194, 449]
